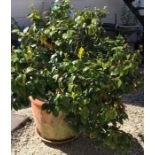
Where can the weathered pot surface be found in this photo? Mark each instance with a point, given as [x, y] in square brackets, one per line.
[48, 126]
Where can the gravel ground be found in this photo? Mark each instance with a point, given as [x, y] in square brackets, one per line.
[26, 142]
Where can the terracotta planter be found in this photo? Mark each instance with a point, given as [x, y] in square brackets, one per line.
[48, 126]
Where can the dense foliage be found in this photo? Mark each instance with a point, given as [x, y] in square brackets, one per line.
[65, 59]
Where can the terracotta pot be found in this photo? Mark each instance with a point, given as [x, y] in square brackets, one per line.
[49, 126]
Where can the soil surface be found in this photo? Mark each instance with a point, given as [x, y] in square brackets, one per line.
[26, 142]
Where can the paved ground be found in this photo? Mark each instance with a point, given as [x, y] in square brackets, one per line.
[17, 121]
[26, 142]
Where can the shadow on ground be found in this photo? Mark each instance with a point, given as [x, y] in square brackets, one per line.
[136, 99]
[84, 146]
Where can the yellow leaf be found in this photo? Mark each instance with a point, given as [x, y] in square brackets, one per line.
[81, 52]
[43, 38]
[74, 95]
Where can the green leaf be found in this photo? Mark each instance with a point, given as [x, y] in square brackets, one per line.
[47, 31]
[29, 69]
[30, 15]
[119, 83]
[15, 31]
[56, 77]
[114, 72]
[78, 19]
[70, 87]
[58, 42]
[72, 78]
[72, 68]
[26, 29]
[69, 34]
[128, 56]
[65, 36]
[128, 66]
[86, 69]
[94, 21]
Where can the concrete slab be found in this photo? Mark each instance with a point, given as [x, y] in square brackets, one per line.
[17, 121]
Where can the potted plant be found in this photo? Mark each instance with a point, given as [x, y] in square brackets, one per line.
[74, 76]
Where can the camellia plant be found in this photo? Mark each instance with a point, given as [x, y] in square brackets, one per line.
[65, 59]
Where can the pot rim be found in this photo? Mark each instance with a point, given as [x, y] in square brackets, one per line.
[36, 101]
